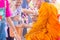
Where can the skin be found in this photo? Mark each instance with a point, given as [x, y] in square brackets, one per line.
[53, 1]
[10, 22]
[18, 3]
[28, 1]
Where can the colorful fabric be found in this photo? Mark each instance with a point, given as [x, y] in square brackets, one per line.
[2, 24]
[4, 12]
[2, 5]
[47, 26]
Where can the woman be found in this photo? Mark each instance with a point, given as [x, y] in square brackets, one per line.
[5, 13]
[47, 25]
[16, 17]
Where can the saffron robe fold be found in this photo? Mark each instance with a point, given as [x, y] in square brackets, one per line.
[47, 26]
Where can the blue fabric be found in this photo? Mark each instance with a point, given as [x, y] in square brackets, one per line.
[15, 23]
[24, 3]
[2, 31]
[2, 24]
[29, 19]
[3, 38]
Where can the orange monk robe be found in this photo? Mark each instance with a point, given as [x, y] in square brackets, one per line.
[47, 25]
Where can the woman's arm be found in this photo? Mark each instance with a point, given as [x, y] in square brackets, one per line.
[13, 27]
[10, 22]
[28, 11]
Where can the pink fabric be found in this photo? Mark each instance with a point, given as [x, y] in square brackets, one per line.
[2, 4]
[8, 12]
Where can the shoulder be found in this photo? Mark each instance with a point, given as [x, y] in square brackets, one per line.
[44, 6]
[47, 5]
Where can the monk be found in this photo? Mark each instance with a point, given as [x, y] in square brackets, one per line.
[47, 26]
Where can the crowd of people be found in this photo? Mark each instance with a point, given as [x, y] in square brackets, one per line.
[29, 19]
[22, 16]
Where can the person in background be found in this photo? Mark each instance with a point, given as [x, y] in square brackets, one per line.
[29, 11]
[24, 5]
[12, 8]
[16, 17]
[5, 13]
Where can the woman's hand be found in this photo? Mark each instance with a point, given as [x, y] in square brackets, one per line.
[16, 18]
